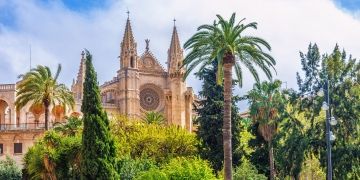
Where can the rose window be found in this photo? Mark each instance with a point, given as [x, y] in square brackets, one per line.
[149, 99]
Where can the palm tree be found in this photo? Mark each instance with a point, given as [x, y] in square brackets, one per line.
[225, 43]
[266, 105]
[152, 117]
[39, 86]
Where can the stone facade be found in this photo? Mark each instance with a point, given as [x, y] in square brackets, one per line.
[142, 84]
[18, 129]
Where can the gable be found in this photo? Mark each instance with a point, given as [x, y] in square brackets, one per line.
[149, 63]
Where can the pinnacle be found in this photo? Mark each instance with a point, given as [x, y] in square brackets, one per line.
[128, 40]
[175, 42]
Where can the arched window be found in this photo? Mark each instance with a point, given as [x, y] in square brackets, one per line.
[132, 62]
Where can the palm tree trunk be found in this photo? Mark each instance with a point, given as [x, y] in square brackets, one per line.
[271, 160]
[46, 115]
[228, 64]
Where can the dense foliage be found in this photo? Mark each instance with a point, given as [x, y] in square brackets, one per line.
[343, 74]
[267, 104]
[9, 170]
[157, 142]
[247, 171]
[181, 168]
[57, 154]
[98, 149]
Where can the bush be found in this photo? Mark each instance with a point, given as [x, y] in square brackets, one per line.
[129, 168]
[56, 154]
[247, 171]
[152, 174]
[181, 168]
[9, 170]
[157, 142]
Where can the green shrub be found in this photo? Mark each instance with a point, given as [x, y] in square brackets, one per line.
[152, 174]
[9, 170]
[129, 168]
[56, 154]
[181, 168]
[157, 142]
[247, 171]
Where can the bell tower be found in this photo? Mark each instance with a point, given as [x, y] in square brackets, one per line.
[128, 52]
[178, 110]
[128, 74]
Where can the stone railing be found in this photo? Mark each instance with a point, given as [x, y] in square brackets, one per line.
[7, 87]
[24, 126]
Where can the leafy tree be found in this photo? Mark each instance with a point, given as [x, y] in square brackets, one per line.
[130, 168]
[98, 148]
[40, 86]
[72, 127]
[209, 120]
[9, 169]
[260, 156]
[247, 171]
[312, 169]
[266, 106]
[225, 43]
[153, 117]
[54, 156]
[152, 141]
[343, 74]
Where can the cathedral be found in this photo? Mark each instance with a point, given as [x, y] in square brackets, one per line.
[142, 84]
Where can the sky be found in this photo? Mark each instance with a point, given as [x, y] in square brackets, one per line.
[57, 31]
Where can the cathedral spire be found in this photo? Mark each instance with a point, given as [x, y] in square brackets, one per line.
[128, 39]
[175, 53]
[128, 55]
[81, 72]
[175, 47]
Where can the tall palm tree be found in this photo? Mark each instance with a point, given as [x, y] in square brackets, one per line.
[266, 105]
[225, 43]
[39, 86]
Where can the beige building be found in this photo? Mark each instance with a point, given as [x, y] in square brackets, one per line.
[142, 84]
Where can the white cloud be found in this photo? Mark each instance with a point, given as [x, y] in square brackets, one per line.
[58, 34]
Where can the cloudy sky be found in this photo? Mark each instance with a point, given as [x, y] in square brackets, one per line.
[57, 31]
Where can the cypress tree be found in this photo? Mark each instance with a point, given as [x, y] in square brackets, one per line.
[98, 149]
[210, 120]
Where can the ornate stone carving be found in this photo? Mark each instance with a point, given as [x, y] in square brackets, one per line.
[149, 99]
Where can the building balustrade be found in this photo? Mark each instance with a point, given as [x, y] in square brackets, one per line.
[23, 126]
[7, 87]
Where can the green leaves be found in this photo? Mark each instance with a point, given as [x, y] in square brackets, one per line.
[154, 141]
[9, 169]
[39, 86]
[98, 148]
[212, 42]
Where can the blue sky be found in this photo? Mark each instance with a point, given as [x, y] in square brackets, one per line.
[59, 30]
[351, 5]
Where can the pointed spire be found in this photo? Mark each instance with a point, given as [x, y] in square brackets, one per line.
[175, 53]
[81, 73]
[175, 42]
[128, 39]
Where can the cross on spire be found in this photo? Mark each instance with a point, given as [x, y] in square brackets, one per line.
[128, 13]
[174, 21]
[147, 41]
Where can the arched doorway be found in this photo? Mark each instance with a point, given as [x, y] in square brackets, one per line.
[5, 114]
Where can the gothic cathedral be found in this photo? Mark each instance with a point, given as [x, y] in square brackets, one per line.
[142, 84]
